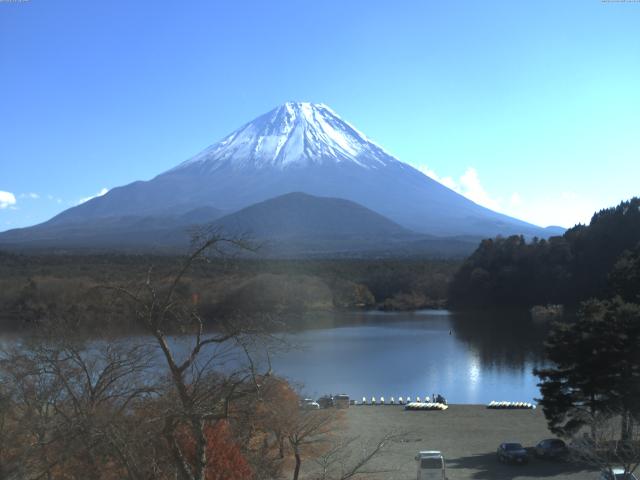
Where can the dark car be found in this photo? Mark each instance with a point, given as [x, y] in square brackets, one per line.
[551, 448]
[512, 453]
[341, 401]
[326, 401]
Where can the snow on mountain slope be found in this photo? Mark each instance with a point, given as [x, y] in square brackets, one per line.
[297, 147]
[293, 135]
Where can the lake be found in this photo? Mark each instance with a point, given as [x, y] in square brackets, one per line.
[468, 358]
[471, 357]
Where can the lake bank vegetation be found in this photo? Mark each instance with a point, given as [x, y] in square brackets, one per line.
[598, 260]
[30, 285]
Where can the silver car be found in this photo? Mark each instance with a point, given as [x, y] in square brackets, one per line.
[617, 474]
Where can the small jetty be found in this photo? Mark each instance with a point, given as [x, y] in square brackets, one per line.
[510, 405]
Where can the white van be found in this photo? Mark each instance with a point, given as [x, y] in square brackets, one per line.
[431, 465]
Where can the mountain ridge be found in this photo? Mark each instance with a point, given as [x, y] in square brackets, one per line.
[291, 225]
[296, 147]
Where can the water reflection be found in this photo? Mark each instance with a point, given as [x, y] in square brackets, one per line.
[501, 339]
[470, 358]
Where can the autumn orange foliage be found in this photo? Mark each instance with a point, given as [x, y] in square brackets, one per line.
[225, 460]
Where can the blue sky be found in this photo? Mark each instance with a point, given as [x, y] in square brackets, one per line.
[530, 108]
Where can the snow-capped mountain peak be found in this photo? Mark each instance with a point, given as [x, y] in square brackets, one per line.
[297, 148]
[293, 134]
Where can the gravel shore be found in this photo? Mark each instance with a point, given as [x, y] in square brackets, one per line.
[467, 435]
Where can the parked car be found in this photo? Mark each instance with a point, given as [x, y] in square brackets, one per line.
[326, 401]
[309, 404]
[551, 448]
[512, 453]
[616, 474]
[342, 401]
[431, 465]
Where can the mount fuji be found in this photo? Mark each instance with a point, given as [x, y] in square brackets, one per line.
[296, 147]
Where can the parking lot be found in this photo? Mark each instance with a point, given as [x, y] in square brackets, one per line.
[467, 435]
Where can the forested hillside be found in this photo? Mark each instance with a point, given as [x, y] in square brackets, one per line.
[587, 261]
[30, 284]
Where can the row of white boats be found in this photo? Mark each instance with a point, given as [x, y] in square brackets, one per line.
[425, 406]
[392, 401]
[511, 405]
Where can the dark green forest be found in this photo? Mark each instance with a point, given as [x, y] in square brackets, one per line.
[33, 284]
[589, 261]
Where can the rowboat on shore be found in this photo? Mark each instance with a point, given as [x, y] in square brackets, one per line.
[426, 406]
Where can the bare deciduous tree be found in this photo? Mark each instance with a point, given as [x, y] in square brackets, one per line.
[610, 442]
[339, 462]
[307, 430]
[200, 399]
[70, 402]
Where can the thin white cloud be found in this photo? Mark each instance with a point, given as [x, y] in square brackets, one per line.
[7, 199]
[446, 181]
[102, 192]
[564, 209]
[468, 185]
[473, 190]
[31, 195]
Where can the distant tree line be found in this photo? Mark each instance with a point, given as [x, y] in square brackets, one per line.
[33, 284]
[588, 261]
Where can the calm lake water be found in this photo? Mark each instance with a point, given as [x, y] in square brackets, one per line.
[469, 358]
